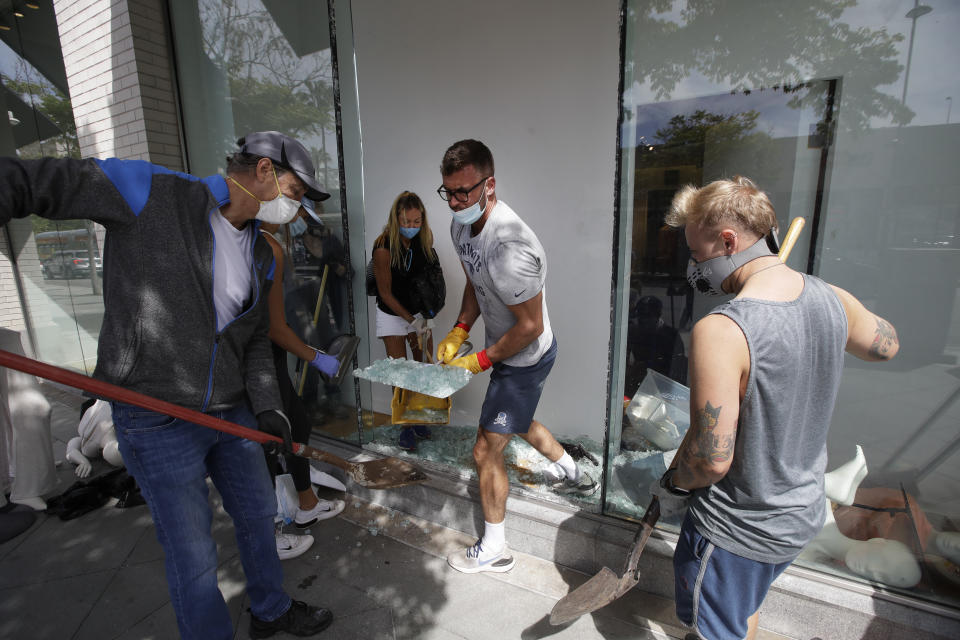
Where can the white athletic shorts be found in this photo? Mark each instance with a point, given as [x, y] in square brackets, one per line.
[388, 325]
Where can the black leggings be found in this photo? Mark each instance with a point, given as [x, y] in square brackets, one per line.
[298, 467]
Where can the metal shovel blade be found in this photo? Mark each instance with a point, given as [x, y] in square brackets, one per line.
[606, 586]
[595, 593]
[385, 473]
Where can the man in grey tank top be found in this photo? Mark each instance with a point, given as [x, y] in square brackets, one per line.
[764, 373]
[506, 268]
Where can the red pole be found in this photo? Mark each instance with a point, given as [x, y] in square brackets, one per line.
[113, 392]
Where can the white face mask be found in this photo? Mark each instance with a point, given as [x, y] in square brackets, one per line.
[472, 213]
[280, 210]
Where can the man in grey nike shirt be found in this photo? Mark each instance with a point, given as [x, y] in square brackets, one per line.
[506, 268]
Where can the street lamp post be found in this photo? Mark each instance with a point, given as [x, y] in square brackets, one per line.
[917, 11]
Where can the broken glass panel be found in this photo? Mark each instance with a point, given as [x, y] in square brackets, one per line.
[452, 445]
[430, 379]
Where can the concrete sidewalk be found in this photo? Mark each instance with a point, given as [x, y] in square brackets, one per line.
[382, 573]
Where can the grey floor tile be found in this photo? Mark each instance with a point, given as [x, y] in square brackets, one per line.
[133, 594]
[96, 541]
[50, 609]
[11, 545]
[158, 625]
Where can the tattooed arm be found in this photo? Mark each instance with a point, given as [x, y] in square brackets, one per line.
[719, 365]
[869, 337]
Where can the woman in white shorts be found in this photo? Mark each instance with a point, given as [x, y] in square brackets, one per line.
[401, 254]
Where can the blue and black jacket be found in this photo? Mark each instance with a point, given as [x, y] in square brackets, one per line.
[159, 333]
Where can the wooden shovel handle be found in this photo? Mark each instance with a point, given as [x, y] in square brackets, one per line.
[793, 232]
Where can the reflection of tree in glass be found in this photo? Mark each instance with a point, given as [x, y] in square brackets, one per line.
[271, 87]
[43, 224]
[55, 105]
[686, 136]
[798, 41]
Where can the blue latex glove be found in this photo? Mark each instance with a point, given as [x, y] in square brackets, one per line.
[325, 364]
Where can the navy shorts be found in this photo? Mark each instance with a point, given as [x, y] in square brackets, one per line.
[716, 591]
[514, 393]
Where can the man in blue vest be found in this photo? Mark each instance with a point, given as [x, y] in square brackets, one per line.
[185, 278]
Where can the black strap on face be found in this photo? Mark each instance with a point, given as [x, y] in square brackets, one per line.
[773, 242]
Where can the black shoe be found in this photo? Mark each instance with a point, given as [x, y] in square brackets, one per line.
[300, 619]
[407, 439]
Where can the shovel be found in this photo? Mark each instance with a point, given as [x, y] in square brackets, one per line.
[386, 473]
[606, 586]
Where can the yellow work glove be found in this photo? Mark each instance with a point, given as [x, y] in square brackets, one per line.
[448, 347]
[473, 362]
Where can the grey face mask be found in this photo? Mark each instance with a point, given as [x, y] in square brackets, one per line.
[708, 276]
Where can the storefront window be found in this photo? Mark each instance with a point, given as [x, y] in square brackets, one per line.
[842, 114]
[247, 66]
[57, 264]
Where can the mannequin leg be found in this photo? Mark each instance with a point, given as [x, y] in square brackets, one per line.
[33, 467]
[841, 484]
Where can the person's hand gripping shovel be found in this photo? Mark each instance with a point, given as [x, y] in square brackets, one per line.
[386, 473]
[606, 586]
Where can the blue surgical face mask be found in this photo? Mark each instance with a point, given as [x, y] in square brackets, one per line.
[298, 227]
[472, 213]
[409, 232]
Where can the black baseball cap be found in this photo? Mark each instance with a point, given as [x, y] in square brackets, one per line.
[288, 153]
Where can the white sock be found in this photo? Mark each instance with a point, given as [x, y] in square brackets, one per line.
[494, 536]
[569, 466]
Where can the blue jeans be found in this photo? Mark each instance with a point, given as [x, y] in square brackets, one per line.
[170, 459]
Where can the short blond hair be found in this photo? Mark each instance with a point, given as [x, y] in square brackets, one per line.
[737, 202]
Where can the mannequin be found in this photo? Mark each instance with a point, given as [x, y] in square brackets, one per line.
[26, 445]
[97, 437]
[871, 532]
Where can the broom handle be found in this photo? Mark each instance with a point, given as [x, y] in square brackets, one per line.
[119, 394]
[316, 319]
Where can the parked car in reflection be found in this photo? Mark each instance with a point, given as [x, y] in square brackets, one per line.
[72, 263]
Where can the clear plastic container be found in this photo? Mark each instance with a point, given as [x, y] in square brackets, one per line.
[660, 410]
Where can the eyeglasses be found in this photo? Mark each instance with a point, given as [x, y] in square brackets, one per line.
[460, 195]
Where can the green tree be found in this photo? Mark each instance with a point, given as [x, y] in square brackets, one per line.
[799, 41]
[53, 104]
[686, 138]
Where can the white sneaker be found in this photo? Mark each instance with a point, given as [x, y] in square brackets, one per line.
[476, 559]
[324, 509]
[290, 545]
[583, 486]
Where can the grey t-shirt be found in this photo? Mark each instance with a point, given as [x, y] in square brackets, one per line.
[771, 502]
[507, 265]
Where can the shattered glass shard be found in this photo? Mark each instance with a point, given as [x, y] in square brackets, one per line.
[430, 379]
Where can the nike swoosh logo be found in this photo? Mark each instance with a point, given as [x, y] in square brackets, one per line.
[520, 293]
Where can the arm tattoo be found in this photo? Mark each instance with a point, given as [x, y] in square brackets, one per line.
[883, 340]
[707, 444]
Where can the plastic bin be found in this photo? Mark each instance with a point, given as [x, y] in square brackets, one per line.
[410, 407]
